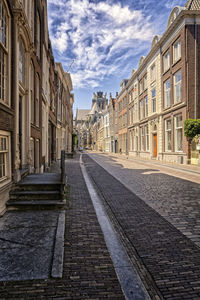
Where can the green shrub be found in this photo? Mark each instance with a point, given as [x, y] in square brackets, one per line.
[191, 128]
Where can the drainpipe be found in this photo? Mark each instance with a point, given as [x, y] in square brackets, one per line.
[195, 68]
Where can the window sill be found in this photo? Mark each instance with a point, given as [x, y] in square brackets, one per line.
[4, 183]
[175, 62]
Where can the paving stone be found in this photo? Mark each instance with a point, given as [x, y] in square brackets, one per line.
[88, 272]
[164, 250]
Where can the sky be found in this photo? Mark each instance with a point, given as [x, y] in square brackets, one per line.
[100, 42]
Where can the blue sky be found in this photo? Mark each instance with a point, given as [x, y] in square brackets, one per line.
[105, 39]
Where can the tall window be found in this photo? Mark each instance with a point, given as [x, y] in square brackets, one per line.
[153, 72]
[142, 138]
[168, 135]
[178, 133]
[166, 61]
[142, 109]
[33, 18]
[141, 86]
[177, 86]
[147, 137]
[3, 157]
[176, 51]
[153, 98]
[38, 35]
[130, 118]
[146, 106]
[37, 110]
[136, 112]
[32, 105]
[145, 82]
[3, 53]
[21, 62]
[167, 90]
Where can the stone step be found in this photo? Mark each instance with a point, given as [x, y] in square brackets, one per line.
[35, 204]
[28, 186]
[31, 195]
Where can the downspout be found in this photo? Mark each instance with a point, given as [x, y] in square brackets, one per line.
[195, 68]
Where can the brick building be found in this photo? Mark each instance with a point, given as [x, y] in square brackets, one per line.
[28, 103]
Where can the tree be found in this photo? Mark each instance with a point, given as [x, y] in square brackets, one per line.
[191, 129]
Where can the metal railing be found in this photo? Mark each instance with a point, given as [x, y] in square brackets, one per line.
[63, 174]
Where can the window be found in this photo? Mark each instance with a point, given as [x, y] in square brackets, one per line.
[178, 133]
[167, 90]
[145, 82]
[37, 110]
[141, 86]
[147, 137]
[177, 86]
[168, 135]
[153, 98]
[166, 61]
[33, 18]
[38, 35]
[130, 117]
[4, 25]
[142, 138]
[3, 54]
[176, 51]
[146, 106]
[3, 157]
[21, 61]
[142, 109]
[153, 72]
[32, 93]
[136, 112]
[32, 152]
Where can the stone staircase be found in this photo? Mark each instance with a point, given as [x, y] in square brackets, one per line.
[38, 191]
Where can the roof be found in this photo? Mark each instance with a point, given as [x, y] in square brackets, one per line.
[81, 114]
[192, 5]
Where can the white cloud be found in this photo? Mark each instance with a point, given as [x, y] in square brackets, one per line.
[99, 36]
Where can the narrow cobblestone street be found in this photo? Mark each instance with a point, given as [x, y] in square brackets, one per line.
[143, 212]
[172, 259]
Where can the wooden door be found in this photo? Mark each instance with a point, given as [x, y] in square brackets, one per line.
[155, 145]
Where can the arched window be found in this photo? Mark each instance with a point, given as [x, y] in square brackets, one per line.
[3, 53]
[21, 61]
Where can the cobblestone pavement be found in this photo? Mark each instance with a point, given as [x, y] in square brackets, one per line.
[172, 259]
[173, 193]
[88, 270]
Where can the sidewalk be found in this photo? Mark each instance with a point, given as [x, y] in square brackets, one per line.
[88, 272]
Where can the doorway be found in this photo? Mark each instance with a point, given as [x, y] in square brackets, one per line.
[155, 145]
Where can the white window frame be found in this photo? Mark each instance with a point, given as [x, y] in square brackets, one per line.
[153, 100]
[167, 93]
[142, 137]
[168, 132]
[145, 82]
[141, 109]
[153, 72]
[176, 50]
[176, 129]
[146, 107]
[177, 85]
[166, 61]
[147, 137]
[5, 153]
